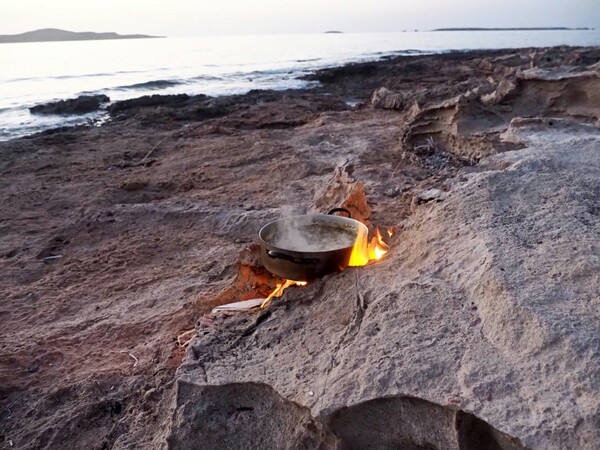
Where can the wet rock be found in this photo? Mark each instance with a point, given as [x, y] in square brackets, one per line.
[148, 101]
[81, 105]
[331, 75]
[256, 109]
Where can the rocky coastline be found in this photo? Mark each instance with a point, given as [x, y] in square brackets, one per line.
[479, 329]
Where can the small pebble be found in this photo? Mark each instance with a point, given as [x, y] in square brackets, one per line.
[430, 195]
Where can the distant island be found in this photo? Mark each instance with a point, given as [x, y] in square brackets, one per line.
[515, 29]
[54, 35]
[333, 32]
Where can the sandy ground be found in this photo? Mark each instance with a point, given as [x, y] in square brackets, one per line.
[115, 240]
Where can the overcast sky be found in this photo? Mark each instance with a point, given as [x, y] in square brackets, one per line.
[200, 17]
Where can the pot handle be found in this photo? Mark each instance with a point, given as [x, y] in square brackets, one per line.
[344, 210]
[290, 258]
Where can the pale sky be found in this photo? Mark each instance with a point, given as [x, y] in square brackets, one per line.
[202, 17]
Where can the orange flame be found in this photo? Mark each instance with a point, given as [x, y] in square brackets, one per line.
[278, 292]
[365, 251]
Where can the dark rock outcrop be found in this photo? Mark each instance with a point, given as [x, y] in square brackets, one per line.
[255, 109]
[81, 105]
[150, 100]
[332, 75]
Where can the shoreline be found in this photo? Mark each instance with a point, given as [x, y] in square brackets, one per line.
[118, 241]
[383, 59]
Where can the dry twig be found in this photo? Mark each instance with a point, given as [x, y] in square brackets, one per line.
[397, 165]
[145, 158]
[135, 360]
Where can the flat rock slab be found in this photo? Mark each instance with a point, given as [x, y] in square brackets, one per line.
[488, 302]
[251, 415]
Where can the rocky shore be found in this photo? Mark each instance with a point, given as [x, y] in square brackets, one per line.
[479, 329]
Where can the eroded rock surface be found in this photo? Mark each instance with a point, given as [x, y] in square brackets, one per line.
[488, 301]
[241, 416]
[469, 124]
[252, 415]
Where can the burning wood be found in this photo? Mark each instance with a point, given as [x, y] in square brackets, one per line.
[365, 251]
[278, 292]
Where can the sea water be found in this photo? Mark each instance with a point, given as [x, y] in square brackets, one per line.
[33, 73]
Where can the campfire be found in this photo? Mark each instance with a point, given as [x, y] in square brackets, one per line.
[363, 252]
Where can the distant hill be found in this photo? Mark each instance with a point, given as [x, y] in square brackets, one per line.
[54, 34]
[511, 29]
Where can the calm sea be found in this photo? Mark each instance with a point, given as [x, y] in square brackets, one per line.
[39, 72]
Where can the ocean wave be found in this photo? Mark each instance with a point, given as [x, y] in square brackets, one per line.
[86, 75]
[261, 73]
[414, 51]
[206, 78]
[408, 51]
[151, 85]
[69, 76]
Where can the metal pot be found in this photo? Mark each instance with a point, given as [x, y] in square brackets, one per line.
[302, 248]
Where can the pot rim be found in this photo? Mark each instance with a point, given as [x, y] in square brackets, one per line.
[314, 215]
